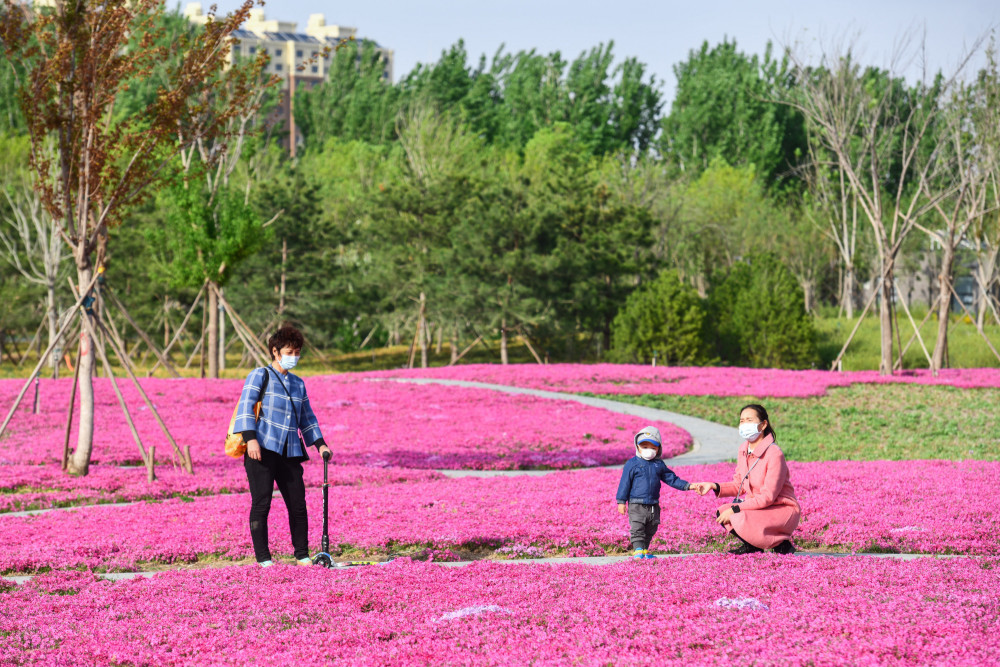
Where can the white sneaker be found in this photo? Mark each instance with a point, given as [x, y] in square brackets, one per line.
[265, 563]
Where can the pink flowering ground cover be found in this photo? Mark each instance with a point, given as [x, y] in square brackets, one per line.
[755, 610]
[32, 487]
[378, 424]
[627, 379]
[934, 507]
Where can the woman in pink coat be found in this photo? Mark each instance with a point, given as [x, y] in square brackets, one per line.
[765, 512]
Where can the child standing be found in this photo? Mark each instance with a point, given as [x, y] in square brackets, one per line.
[640, 488]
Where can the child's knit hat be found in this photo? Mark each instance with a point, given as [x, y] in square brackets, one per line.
[650, 434]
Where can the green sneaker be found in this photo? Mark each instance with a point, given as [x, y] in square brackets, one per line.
[265, 563]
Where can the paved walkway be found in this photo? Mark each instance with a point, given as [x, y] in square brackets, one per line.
[713, 443]
[592, 560]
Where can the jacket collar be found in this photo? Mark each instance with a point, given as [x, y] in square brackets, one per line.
[759, 447]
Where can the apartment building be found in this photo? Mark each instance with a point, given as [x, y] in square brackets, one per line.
[295, 57]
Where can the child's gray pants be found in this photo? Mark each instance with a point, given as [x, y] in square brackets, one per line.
[643, 520]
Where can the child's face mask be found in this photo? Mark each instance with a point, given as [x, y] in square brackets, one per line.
[648, 454]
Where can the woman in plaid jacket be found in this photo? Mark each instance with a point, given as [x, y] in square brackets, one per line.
[275, 448]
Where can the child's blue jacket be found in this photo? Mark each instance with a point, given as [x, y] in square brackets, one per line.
[641, 481]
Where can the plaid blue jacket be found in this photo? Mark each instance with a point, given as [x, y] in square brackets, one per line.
[281, 420]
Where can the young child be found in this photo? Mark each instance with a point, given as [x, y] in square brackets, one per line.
[640, 488]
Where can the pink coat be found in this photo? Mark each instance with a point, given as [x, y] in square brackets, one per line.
[769, 512]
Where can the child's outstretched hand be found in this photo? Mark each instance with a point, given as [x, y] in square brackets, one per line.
[621, 508]
[701, 487]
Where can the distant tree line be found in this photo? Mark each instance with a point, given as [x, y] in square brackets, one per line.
[560, 202]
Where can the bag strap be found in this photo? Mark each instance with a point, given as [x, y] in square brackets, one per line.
[298, 415]
[263, 387]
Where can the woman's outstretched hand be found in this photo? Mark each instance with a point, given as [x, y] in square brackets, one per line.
[701, 487]
[725, 516]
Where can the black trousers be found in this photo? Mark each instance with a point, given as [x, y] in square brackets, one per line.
[262, 476]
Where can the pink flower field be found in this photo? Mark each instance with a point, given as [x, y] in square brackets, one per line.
[366, 423]
[213, 607]
[31, 487]
[760, 610]
[859, 506]
[688, 381]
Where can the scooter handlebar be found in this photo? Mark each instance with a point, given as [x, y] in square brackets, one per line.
[326, 456]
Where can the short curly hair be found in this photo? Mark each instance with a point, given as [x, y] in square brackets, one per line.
[286, 336]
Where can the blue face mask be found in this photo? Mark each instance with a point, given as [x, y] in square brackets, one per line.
[288, 362]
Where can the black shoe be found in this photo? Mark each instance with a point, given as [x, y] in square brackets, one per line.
[785, 548]
[745, 548]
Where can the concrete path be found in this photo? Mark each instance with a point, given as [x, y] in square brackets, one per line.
[592, 560]
[713, 443]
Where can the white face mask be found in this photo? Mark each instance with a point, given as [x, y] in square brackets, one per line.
[749, 431]
[288, 362]
[648, 454]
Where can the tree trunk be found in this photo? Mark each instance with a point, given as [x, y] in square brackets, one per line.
[939, 358]
[454, 344]
[885, 324]
[212, 349]
[422, 330]
[847, 298]
[53, 319]
[503, 341]
[281, 288]
[222, 339]
[439, 342]
[79, 463]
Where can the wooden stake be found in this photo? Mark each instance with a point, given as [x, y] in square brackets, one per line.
[41, 359]
[36, 340]
[524, 339]
[930, 311]
[179, 330]
[982, 333]
[413, 345]
[843, 350]
[471, 345]
[201, 343]
[142, 334]
[100, 342]
[70, 411]
[197, 348]
[916, 332]
[116, 348]
[237, 320]
[242, 331]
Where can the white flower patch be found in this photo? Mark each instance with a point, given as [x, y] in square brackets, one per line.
[472, 611]
[744, 604]
[908, 529]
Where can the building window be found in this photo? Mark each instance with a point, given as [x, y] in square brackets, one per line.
[277, 67]
[277, 53]
[315, 69]
[298, 54]
[253, 50]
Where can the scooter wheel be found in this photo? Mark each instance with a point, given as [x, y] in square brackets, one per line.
[323, 559]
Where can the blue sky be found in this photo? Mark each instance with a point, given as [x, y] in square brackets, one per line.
[658, 33]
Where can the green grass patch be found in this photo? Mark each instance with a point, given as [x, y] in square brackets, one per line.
[865, 421]
[966, 347]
